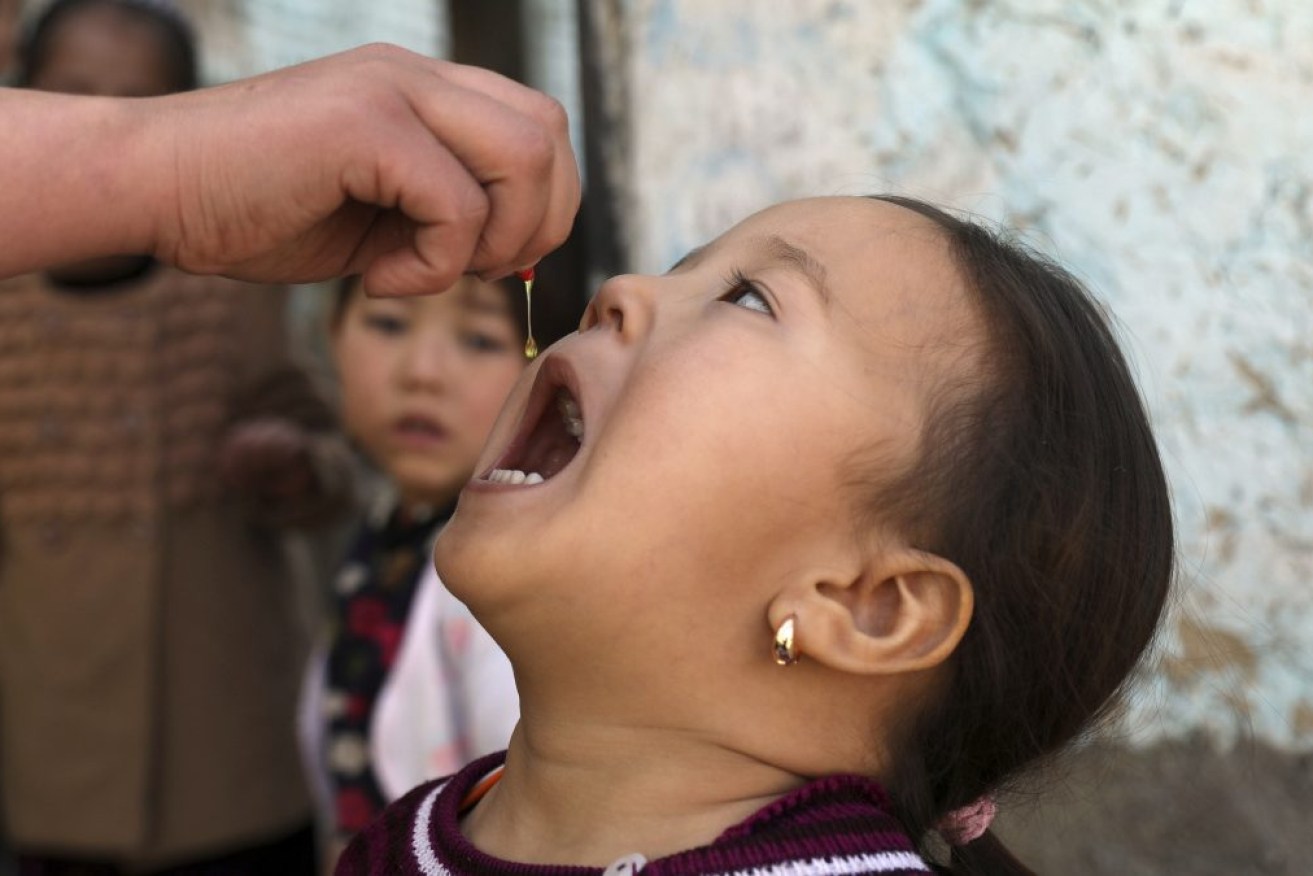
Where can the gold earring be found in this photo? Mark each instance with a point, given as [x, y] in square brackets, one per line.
[784, 646]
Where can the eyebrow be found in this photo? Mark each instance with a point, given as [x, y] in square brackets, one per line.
[777, 250]
[801, 261]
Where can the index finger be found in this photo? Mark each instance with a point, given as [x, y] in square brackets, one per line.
[534, 191]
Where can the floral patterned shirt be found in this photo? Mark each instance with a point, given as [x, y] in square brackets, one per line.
[374, 592]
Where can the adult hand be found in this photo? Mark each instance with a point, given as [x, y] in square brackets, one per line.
[378, 161]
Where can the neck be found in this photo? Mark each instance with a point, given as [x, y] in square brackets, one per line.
[682, 791]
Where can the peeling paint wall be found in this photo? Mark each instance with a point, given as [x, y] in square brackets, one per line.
[243, 37]
[1163, 150]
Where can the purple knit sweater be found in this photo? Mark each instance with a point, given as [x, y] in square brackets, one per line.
[832, 826]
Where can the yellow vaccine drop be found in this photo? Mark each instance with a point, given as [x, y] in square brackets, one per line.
[530, 345]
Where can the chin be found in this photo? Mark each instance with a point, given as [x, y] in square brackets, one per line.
[441, 555]
[425, 482]
[490, 563]
[461, 564]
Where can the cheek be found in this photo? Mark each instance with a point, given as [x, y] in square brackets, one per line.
[748, 460]
[364, 383]
[725, 446]
[733, 415]
[362, 409]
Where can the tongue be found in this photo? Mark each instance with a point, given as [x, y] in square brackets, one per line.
[548, 449]
[548, 454]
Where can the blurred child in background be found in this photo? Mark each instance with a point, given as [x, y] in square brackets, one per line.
[408, 685]
[9, 11]
[155, 443]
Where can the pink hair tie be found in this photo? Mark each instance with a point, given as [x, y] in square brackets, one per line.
[968, 824]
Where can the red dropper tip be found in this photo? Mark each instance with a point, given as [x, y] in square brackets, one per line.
[526, 275]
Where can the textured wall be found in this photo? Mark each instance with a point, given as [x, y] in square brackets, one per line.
[1164, 150]
[241, 37]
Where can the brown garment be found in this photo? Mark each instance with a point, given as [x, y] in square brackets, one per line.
[149, 660]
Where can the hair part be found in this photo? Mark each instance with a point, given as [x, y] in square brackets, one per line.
[1039, 476]
[177, 39]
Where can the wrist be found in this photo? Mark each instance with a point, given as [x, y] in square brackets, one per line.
[112, 188]
[143, 173]
[111, 198]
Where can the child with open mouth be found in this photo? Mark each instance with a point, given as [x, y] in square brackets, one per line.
[802, 553]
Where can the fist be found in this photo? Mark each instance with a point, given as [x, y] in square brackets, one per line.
[267, 460]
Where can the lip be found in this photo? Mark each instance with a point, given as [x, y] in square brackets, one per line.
[554, 373]
[413, 429]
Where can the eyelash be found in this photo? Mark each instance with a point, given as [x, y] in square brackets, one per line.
[386, 324]
[739, 284]
[482, 342]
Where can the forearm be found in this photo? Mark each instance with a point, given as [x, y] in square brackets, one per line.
[378, 161]
[77, 179]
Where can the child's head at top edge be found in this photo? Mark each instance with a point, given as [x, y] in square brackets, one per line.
[114, 48]
[918, 441]
[422, 379]
[109, 48]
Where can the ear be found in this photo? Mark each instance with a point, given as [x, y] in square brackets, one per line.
[906, 613]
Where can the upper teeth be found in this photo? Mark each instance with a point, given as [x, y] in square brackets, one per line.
[570, 413]
[514, 476]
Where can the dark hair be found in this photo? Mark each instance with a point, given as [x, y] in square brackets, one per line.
[1041, 479]
[177, 39]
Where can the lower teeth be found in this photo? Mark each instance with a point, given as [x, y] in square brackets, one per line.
[514, 476]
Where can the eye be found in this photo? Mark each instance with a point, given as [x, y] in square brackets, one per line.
[481, 342]
[744, 293]
[385, 324]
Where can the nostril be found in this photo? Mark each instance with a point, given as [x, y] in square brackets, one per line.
[624, 305]
[615, 317]
[602, 316]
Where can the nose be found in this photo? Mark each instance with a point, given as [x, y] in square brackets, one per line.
[624, 304]
[426, 363]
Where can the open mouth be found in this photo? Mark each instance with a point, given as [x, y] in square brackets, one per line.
[550, 434]
[419, 428]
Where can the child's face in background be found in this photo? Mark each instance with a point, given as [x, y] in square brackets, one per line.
[423, 379]
[99, 51]
[727, 431]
